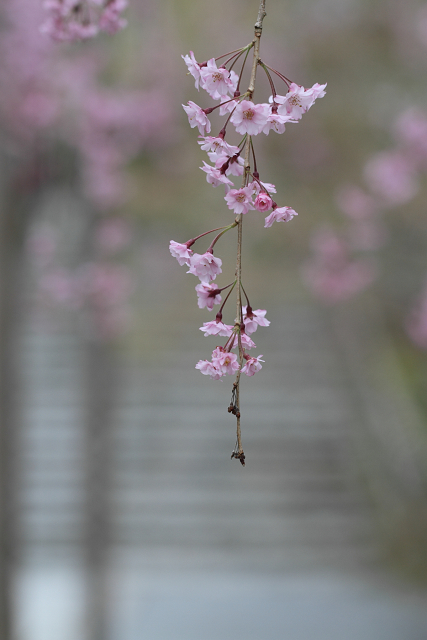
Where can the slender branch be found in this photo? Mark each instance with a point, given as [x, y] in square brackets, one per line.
[239, 219]
[261, 15]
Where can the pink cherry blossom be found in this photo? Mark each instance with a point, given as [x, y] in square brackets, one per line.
[214, 176]
[299, 100]
[225, 361]
[209, 369]
[254, 319]
[249, 117]
[246, 341]
[253, 365]
[263, 202]
[276, 122]
[206, 267]
[280, 214]
[257, 187]
[217, 82]
[239, 200]
[216, 328]
[181, 252]
[218, 145]
[193, 67]
[197, 117]
[228, 106]
[233, 166]
[208, 295]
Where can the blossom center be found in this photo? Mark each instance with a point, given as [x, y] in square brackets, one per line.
[217, 76]
[240, 197]
[295, 101]
[248, 114]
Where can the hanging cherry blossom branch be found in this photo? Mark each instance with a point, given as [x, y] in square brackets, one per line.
[249, 119]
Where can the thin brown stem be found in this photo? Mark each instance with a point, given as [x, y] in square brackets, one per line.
[241, 70]
[239, 218]
[230, 52]
[189, 243]
[270, 79]
[280, 75]
[215, 240]
[253, 156]
[225, 300]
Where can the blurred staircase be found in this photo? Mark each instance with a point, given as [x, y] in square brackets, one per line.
[175, 496]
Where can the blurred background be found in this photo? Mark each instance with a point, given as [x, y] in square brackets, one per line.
[122, 516]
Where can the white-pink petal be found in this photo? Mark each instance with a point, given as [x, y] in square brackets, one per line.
[193, 67]
[209, 369]
[197, 117]
[216, 81]
[214, 176]
[214, 328]
[205, 266]
[240, 200]
[280, 214]
[252, 366]
[208, 295]
[249, 117]
[181, 252]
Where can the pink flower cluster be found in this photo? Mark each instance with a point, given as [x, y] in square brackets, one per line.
[248, 119]
[224, 362]
[70, 20]
[206, 267]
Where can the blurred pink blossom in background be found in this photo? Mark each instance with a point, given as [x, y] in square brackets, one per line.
[416, 321]
[392, 176]
[69, 20]
[332, 273]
